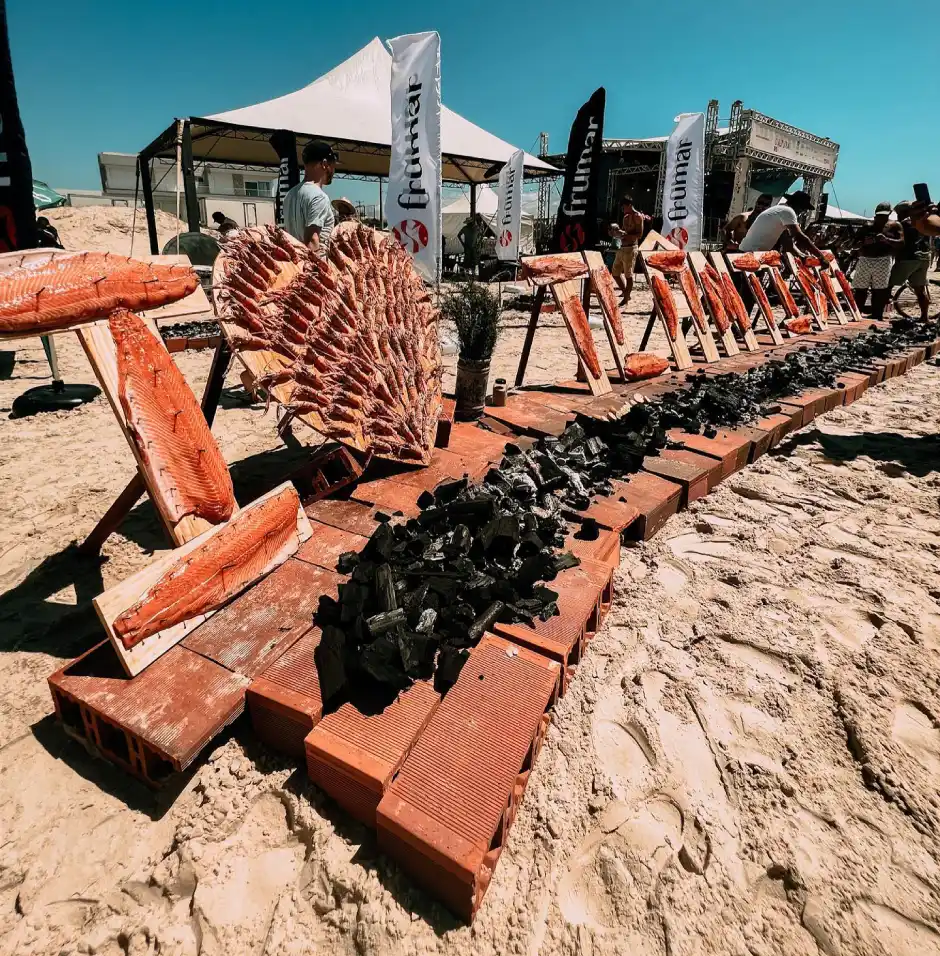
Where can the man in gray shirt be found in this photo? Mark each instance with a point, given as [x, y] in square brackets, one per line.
[308, 213]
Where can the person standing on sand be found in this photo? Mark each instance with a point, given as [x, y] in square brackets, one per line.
[913, 260]
[630, 232]
[308, 212]
[736, 228]
[877, 245]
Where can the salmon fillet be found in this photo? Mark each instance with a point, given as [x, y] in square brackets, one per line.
[186, 469]
[783, 290]
[667, 305]
[577, 323]
[798, 325]
[670, 261]
[53, 294]
[642, 365]
[256, 541]
[746, 262]
[545, 270]
[847, 289]
[762, 301]
[828, 288]
[771, 258]
[687, 281]
[603, 283]
[808, 285]
[712, 288]
[733, 304]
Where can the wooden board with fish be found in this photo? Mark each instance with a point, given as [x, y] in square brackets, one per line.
[754, 269]
[731, 299]
[154, 609]
[602, 283]
[711, 287]
[567, 297]
[669, 308]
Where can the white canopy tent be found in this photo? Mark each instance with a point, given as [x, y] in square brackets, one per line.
[843, 215]
[349, 107]
[456, 213]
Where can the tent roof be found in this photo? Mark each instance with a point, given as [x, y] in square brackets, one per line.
[487, 204]
[349, 106]
[834, 212]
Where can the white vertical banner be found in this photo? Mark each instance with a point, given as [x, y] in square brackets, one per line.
[684, 187]
[509, 209]
[413, 208]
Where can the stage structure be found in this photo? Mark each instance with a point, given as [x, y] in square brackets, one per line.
[750, 153]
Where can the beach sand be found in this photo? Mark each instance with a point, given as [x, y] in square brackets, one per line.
[747, 762]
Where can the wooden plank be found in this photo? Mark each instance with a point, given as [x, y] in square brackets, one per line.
[812, 305]
[601, 282]
[113, 602]
[854, 314]
[698, 262]
[717, 260]
[754, 279]
[98, 343]
[567, 297]
[653, 241]
[680, 351]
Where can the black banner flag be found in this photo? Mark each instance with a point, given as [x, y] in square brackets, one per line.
[576, 221]
[17, 213]
[285, 143]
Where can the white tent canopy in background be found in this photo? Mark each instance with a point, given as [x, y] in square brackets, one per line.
[349, 107]
[457, 212]
[834, 212]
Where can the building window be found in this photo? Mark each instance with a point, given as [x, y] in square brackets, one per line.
[119, 202]
[259, 188]
[203, 221]
[251, 213]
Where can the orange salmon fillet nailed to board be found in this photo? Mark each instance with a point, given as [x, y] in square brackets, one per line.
[186, 469]
[48, 295]
[733, 304]
[687, 281]
[252, 544]
[544, 270]
[667, 305]
[711, 287]
[604, 286]
[671, 261]
[577, 323]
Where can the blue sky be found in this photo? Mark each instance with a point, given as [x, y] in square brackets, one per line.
[111, 75]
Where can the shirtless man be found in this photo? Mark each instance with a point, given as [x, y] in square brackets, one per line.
[629, 234]
[877, 246]
[735, 229]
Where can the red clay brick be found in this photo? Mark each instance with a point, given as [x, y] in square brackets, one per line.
[710, 466]
[346, 515]
[564, 637]
[389, 496]
[445, 817]
[775, 427]
[731, 448]
[611, 513]
[284, 702]
[529, 418]
[444, 466]
[656, 499]
[354, 755]
[151, 725]
[605, 548]
[327, 544]
[259, 625]
[474, 443]
[692, 478]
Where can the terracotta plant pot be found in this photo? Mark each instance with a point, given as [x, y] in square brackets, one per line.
[470, 390]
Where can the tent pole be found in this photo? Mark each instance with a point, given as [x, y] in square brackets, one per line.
[189, 179]
[143, 167]
[381, 216]
[473, 219]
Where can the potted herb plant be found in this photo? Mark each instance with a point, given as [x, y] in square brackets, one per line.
[475, 311]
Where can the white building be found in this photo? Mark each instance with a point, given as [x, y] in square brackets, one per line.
[245, 195]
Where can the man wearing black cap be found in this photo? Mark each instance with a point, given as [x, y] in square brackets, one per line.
[308, 212]
[768, 228]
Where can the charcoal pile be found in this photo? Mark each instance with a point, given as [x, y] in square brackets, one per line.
[421, 593]
[191, 330]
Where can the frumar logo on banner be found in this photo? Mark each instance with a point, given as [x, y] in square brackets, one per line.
[684, 188]
[576, 219]
[413, 208]
[509, 210]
